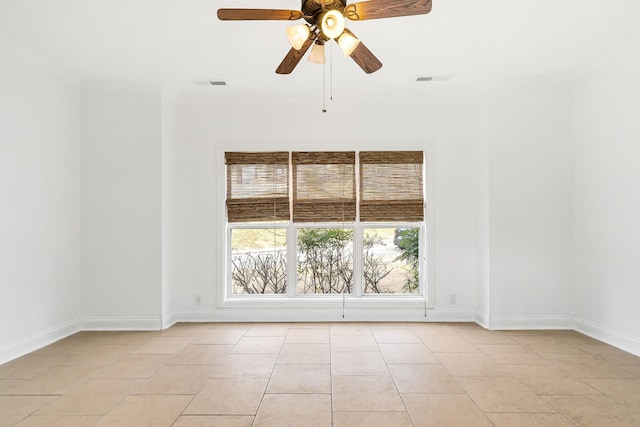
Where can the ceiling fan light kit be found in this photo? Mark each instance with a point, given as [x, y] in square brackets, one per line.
[331, 23]
[326, 21]
[297, 35]
[317, 53]
[348, 43]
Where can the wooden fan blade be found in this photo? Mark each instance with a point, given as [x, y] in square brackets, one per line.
[375, 9]
[293, 57]
[364, 58]
[258, 14]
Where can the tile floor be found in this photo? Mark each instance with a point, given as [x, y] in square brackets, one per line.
[325, 374]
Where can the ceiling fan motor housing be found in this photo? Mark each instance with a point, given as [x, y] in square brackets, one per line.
[312, 8]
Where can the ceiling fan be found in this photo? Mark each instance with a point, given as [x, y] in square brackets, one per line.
[326, 21]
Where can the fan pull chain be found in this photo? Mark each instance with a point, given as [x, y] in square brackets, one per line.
[331, 72]
[324, 87]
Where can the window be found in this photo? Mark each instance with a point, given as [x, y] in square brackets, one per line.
[325, 261]
[258, 261]
[391, 260]
[317, 224]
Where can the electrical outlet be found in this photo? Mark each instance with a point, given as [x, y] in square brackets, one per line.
[198, 299]
[452, 299]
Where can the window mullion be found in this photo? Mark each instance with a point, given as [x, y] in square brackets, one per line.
[292, 260]
[357, 260]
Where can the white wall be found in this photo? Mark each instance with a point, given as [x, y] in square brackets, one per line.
[606, 208]
[483, 250]
[169, 144]
[39, 204]
[450, 124]
[121, 209]
[529, 134]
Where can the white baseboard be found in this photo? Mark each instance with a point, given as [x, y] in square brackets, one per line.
[482, 319]
[151, 323]
[325, 315]
[602, 333]
[38, 340]
[168, 320]
[531, 322]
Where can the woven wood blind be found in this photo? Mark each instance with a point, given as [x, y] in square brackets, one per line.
[391, 186]
[324, 186]
[257, 186]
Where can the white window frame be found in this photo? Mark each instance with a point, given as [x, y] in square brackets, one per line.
[225, 299]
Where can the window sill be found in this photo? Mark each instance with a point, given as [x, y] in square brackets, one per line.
[326, 302]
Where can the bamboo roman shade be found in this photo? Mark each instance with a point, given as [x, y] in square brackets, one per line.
[257, 186]
[324, 186]
[391, 186]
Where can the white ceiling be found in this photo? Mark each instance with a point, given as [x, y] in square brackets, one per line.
[157, 41]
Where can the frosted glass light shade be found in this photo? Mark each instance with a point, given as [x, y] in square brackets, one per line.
[332, 24]
[297, 35]
[348, 43]
[317, 54]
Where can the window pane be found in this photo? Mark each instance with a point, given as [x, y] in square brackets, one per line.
[259, 261]
[325, 261]
[390, 260]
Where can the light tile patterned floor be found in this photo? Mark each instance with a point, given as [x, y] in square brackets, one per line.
[322, 374]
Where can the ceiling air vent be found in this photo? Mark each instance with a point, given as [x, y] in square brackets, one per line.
[209, 82]
[441, 78]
